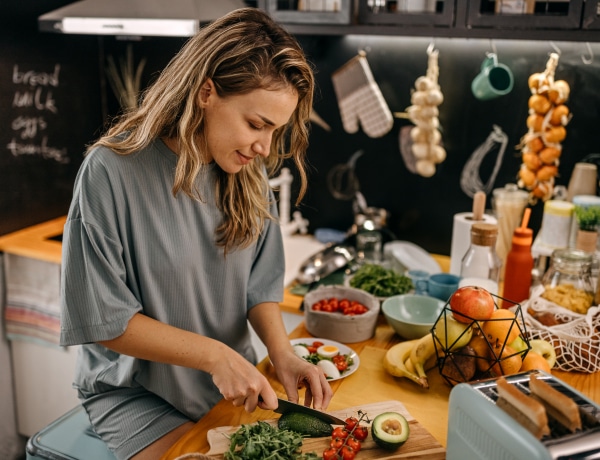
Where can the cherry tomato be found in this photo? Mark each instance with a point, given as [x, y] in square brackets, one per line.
[334, 303]
[360, 432]
[311, 349]
[341, 364]
[344, 304]
[317, 344]
[348, 453]
[354, 443]
[327, 308]
[339, 432]
[351, 422]
[336, 443]
[317, 307]
[330, 454]
[360, 309]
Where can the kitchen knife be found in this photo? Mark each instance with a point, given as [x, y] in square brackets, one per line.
[286, 406]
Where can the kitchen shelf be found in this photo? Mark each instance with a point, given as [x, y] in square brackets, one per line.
[547, 15]
[560, 20]
[289, 15]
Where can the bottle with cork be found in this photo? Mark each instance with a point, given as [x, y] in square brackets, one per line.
[481, 265]
[519, 265]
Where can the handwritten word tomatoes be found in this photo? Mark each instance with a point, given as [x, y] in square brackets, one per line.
[344, 306]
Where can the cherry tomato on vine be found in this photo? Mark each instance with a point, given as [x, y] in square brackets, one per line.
[361, 433]
[339, 432]
[336, 443]
[330, 454]
[351, 422]
[348, 453]
[351, 441]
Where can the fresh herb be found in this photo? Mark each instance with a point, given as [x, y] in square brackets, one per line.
[588, 217]
[262, 441]
[380, 281]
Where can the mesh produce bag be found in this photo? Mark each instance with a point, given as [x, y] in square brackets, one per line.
[576, 337]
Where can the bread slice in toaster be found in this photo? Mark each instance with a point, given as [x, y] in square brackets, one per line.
[558, 406]
[529, 412]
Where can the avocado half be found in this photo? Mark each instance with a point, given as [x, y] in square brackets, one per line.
[390, 430]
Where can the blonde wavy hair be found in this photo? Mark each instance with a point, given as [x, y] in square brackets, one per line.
[240, 52]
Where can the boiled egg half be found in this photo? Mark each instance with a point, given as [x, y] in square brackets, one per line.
[301, 351]
[328, 351]
[329, 369]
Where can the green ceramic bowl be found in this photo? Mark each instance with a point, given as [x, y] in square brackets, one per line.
[411, 315]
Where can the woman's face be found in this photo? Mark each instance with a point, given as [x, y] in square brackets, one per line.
[240, 127]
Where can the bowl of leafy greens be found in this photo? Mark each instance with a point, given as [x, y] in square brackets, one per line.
[380, 281]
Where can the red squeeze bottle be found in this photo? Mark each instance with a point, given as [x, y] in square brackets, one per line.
[519, 264]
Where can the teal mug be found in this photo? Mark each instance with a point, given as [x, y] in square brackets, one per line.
[439, 285]
[494, 79]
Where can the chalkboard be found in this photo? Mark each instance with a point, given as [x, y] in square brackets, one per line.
[49, 94]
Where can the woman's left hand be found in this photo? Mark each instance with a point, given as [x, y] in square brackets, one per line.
[294, 373]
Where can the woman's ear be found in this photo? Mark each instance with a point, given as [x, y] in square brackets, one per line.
[207, 90]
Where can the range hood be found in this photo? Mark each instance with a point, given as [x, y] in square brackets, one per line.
[166, 18]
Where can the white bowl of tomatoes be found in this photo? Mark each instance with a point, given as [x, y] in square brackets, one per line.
[341, 313]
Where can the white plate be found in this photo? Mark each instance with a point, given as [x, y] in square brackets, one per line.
[344, 350]
[412, 257]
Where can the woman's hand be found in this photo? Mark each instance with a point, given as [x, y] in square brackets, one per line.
[294, 372]
[240, 382]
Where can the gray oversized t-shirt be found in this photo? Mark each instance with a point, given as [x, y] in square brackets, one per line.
[131, 246]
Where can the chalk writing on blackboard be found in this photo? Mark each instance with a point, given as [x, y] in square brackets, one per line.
[33, 102]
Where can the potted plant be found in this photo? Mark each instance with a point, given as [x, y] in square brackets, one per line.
[588, 222]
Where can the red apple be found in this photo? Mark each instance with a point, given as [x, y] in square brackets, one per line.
[471, 303]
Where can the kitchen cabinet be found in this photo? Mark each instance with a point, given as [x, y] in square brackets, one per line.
[591, 15]
[562, 20]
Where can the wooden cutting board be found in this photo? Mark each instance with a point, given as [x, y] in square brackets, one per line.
[420, 444]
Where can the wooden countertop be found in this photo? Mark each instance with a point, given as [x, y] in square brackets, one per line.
[369, 384]
[35, 242]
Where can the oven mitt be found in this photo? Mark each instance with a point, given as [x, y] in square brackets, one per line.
[360, 99]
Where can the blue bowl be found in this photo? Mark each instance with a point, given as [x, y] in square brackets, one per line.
[412, 315]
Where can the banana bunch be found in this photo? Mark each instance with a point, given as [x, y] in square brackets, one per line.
[408, 359]
[424, 113]
[412, 359]
[541, 145]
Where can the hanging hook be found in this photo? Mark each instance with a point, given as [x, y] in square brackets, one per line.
[590, 59]
[493, 46]
[556, 48]
[431, 47]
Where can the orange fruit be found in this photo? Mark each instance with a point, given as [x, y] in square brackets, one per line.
[482, 352]
[533, 361]
[501, 328]
[509, 362]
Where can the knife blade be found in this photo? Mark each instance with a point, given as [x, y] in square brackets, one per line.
[286, 406]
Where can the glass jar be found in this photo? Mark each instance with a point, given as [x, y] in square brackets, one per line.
[569, 276]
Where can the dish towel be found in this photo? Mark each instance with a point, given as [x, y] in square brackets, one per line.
[32, 309]
[360, 99]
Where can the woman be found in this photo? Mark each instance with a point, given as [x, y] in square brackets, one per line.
[172, 244]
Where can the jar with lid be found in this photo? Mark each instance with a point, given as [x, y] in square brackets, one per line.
[570, 271]
[480, 266]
